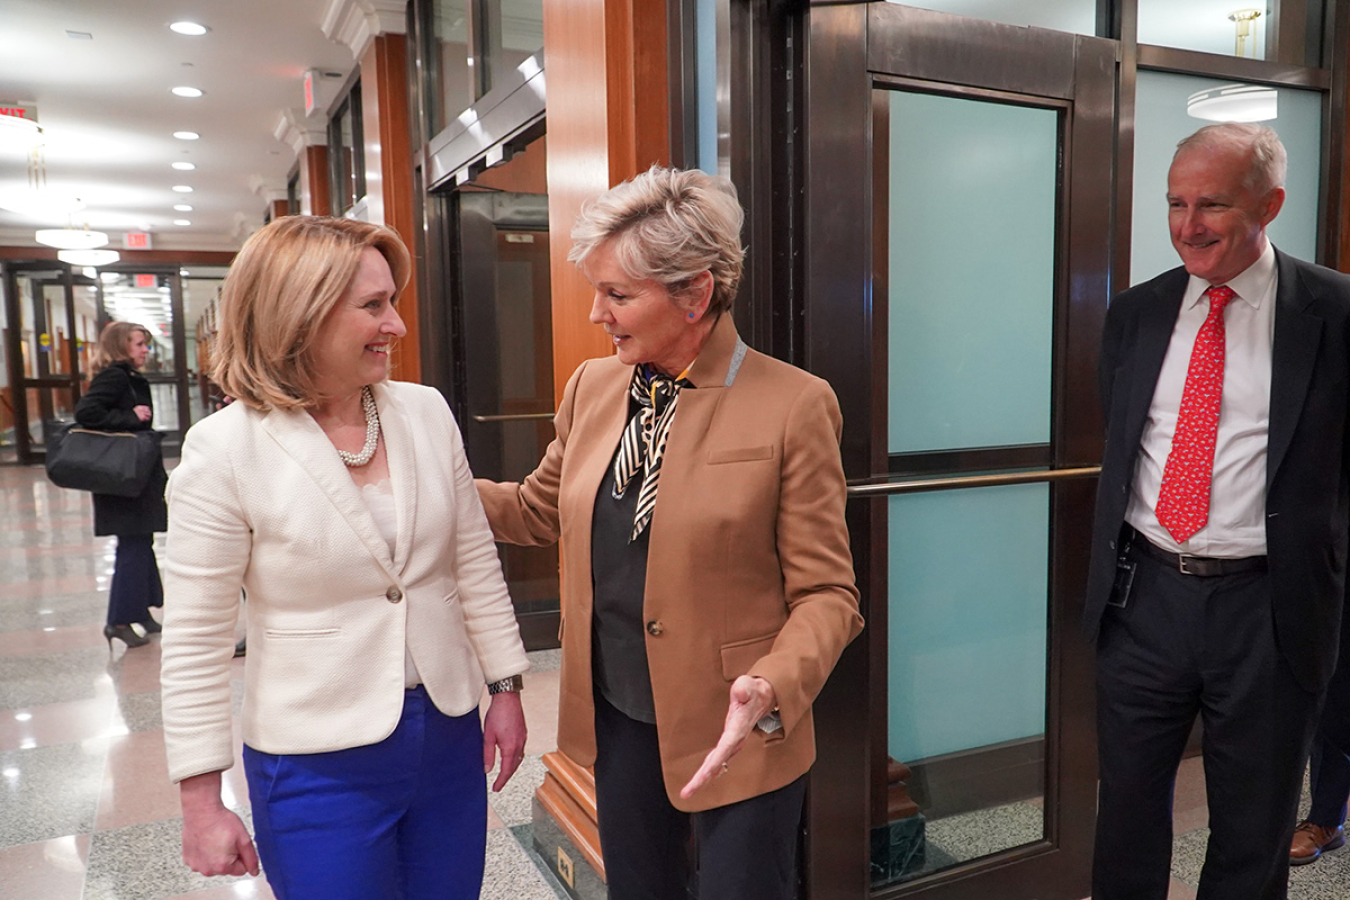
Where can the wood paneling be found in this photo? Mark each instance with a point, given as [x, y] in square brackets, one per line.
[389, 175]
[525, 173]
[278, 209]
[314, 197]
[605, 124]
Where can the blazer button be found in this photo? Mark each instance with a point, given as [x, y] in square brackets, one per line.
[655, 628]
[393, 595]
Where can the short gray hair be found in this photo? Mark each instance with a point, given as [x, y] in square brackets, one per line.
[1269, 161]
[670, 226]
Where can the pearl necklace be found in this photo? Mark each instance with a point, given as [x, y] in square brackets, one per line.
[356, 460]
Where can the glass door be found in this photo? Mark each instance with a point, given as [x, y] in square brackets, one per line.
[42, 343]
[152, 296]
[958, 236]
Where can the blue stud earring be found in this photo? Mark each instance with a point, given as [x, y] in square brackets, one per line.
[691, 315]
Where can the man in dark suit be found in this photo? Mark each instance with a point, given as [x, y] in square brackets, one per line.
[1217, 577]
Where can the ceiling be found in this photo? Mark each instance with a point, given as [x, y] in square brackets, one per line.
[105, 105]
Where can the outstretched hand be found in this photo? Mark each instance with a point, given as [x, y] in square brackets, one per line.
[751, 699]
[504, 729]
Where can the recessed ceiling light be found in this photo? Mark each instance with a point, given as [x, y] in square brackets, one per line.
[184, 91]
[181, 222]
[186, 135]
[182, 188]
[191, 29]
[182, 207]
[184, 166]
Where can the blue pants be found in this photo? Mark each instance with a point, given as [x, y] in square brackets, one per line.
[135, 583]
[404, 819]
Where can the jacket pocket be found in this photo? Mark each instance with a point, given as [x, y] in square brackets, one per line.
[300, 632]
[739, 656]
[739, 454]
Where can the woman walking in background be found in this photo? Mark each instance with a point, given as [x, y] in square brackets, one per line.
[118, 399]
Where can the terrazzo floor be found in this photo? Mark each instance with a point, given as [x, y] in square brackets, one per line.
[86, 808]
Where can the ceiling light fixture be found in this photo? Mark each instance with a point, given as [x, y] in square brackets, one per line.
[1234, 103]
[182, 188]
[19, 134]
[184, 166]
[37, 204]
[186, 135]
[182, 207]
[1242, 20]
[181, 222]
[185, 91]
[88, 257]
[71, 238]
[191, 29]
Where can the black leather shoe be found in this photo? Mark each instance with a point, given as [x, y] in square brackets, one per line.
[125, 634]
[150, 626]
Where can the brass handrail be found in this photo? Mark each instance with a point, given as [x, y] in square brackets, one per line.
[970, 481]
[516, 417]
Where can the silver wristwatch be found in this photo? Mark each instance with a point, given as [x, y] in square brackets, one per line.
[513, 684]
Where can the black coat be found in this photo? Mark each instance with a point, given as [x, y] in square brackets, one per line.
[107, 406]
[1308, 454]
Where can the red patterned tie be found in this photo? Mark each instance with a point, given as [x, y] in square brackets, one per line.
[1183, 502]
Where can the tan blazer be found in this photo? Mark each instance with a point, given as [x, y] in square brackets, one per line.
[748, 567]
[261, 500]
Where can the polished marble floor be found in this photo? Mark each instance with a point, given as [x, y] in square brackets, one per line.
[86, 807]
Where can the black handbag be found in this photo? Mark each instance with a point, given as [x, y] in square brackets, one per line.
[103, 462]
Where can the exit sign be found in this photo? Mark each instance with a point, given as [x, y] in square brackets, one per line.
[136, 240]
[146, 281]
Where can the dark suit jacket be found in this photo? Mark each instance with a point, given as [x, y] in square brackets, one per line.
[1308, 463]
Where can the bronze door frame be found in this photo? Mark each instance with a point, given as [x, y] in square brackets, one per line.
[852, 50]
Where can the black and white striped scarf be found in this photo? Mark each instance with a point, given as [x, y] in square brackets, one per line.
[644, 438]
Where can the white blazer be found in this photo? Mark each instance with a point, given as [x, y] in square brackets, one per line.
[261, 501]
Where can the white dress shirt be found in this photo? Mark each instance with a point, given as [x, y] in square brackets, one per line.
[1237, 500]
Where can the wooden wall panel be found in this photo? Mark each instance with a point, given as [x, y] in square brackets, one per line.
[389, 175]
[315, 199]
[199, 257]
[606, 122]
[525, 173]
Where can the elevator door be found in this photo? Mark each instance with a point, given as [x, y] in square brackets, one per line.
[506, 343]
[957, 237]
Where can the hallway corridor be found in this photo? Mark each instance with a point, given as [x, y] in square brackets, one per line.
[86, 808]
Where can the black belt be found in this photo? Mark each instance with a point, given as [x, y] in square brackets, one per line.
[1202, 566]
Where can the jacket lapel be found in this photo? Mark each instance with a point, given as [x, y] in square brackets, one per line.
[398, 448]
[1297, 336]
[304, 441]
[1156, 322]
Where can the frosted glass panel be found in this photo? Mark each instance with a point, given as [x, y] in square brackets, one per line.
[968, 613]
[971, 272]
[1161, 120]
[1076, 16]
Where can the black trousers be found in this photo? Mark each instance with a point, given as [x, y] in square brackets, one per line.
[1185, 646]
[135, 583]
[1330, 774]
[742, 851]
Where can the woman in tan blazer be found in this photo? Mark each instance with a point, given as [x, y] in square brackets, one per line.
[344, 505]
[708, 587]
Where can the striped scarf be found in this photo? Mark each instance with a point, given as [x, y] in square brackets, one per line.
[644, 439]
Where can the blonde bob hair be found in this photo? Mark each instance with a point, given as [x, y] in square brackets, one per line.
[114, 344]
[282, 286]
[669, 226]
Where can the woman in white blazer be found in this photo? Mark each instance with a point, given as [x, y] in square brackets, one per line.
[342, 503]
